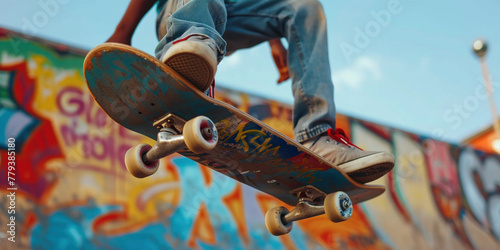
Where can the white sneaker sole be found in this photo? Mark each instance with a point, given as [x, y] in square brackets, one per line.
[195, 61]
[369, 168]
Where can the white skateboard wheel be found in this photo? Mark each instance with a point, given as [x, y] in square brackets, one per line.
[200, 134]
[274, 222]
[135, 164]
[338, 206]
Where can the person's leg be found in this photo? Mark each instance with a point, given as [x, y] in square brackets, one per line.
[191, 41]
[303, 24]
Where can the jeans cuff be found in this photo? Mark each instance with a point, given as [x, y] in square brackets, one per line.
[307, 134]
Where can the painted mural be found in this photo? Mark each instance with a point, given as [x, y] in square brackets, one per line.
[64, 184]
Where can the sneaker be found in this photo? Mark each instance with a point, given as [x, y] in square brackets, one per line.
[361, 166]
[195, 58]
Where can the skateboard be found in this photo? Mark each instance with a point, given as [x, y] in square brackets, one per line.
[144, 95]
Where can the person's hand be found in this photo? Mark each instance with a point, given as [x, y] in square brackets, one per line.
[136, 10]
[280, 59]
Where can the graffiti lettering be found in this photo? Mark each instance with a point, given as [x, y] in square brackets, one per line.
[480, 183]
[73, 103]
[494, 215]
[263, 148]
[95, 147]
[249, 139]
[69, 101]
[96, 140]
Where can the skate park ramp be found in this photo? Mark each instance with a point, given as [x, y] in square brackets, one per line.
[72, 190]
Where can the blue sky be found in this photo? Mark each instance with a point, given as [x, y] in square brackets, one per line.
[414, 70]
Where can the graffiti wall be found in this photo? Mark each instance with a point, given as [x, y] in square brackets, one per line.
[63, 183]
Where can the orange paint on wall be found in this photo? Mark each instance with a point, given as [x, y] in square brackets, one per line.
[484, 142]
[207, 175]
[202, 229]
[234, 202]
[354, 233]
[343, 123]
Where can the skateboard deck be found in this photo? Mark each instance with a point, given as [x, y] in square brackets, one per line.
[135, 89]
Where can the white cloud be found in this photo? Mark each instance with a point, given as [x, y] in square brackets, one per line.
[363, 71]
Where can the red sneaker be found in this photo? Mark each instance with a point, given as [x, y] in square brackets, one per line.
[362, 166]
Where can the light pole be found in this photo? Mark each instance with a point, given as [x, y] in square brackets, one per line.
[480, 48]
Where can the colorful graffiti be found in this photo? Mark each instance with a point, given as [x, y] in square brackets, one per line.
[72, 189]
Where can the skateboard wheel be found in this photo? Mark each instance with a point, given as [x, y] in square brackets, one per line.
[135, 164]
[338, 206]
[274, 222]
[200, 134]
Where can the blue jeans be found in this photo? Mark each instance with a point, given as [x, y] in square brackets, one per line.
[238, 24]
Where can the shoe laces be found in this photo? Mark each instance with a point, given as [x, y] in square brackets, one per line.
[340, 136]
[211, 90]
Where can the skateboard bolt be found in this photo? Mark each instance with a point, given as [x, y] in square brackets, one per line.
[207, 133]
[345, 204]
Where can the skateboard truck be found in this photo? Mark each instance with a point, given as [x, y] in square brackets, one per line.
[304, 209]
[170, 121]
[168, 142]
[307, 206]
[199, 135]
[169, 139]
[308, 192]
[312, 202]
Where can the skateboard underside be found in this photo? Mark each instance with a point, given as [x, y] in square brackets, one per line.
[136, 90]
